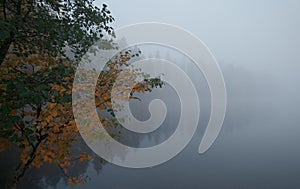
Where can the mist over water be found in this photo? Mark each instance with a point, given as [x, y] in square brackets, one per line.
[258, 146]
[256, 44]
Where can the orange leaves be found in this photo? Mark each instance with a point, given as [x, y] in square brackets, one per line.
[76, 180]
[72, 123]
[47, 159]
[59, 88]
[101, 107]
[56, 128]
[37, 163]
[65, 164]
[51, 105]
[108, 103]
[25, 153]
[85, 157]
[89, 157]
[44, 123]
[54, 113]
[141, 87]
[46, 154]
[49, 118]
[52, 128]
[24, 158]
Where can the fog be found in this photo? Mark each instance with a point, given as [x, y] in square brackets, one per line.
[256, 44]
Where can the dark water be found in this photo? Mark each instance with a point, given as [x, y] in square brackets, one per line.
[258, 146]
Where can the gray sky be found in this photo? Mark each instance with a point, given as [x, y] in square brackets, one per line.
[257, 45]
[259, 35]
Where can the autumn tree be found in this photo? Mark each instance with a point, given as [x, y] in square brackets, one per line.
[36, 110]
[36, 77]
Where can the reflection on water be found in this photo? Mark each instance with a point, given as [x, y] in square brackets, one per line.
[258, 146]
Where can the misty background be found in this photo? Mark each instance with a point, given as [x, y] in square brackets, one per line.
[256, 44]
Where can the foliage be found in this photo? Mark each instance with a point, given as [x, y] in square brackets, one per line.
[36, 75]
[48, 26]
[36, 111]
[36, 78]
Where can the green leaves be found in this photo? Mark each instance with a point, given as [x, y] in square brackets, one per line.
[48, 27]
[36, 75]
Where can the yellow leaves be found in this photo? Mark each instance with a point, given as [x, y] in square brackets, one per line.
[65, 164]
[76, 180]
[49, 118]
[82, 158]
[72, 123]
[37, 163]
[68, 92]
[101, 107]
[61, 89]
[44, 123]
[56, 128]
[24, 157]
[69, 78]
[51, 105]
[56, 87]
[47, 159]
[47, 155]
[108, 103]
[70, 179]
[54, 113]
[89, 157]
[72, 184]
[85, 157]
[55, 123]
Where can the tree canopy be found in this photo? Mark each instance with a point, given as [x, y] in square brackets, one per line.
[36, 77]
[48, 26]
